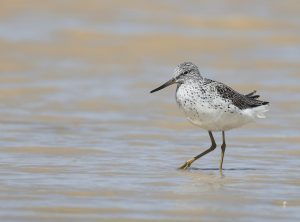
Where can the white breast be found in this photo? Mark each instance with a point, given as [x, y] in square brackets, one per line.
[209, 111]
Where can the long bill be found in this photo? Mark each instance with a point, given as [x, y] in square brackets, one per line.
[170, 82]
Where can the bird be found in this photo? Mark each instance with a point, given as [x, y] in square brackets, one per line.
[212, 105]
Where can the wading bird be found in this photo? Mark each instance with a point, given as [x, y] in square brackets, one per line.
[212, 105]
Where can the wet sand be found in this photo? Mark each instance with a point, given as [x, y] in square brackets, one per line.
[83, 140]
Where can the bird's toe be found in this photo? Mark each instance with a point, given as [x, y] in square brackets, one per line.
[186, 165]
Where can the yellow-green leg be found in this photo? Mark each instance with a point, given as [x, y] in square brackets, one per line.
[223, 147]
[188, 163]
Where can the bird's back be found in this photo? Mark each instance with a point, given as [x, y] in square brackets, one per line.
[239, 100]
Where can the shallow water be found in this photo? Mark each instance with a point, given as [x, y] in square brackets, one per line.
[83, 140]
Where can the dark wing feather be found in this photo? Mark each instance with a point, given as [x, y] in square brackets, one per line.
[252, 95]
[237, 99]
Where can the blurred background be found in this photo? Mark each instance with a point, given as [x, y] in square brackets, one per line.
[83, 140]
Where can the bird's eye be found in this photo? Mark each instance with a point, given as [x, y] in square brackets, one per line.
[181, 74]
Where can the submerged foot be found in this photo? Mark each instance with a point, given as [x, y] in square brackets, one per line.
[186, 165]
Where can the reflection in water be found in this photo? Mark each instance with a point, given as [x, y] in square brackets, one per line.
[82, 141]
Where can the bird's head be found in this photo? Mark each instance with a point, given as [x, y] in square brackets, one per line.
[182, 73]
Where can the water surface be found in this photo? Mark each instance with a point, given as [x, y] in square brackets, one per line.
[83, 140]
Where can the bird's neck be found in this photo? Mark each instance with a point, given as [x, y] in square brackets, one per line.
[195, 75]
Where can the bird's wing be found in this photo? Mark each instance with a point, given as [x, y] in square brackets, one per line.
[252, 95]
[237, 99]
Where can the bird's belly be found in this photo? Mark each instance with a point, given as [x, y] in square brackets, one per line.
[217, 121]
[212, 115]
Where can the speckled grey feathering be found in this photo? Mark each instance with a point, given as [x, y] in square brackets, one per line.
[190, 71]
[237, 99]
[209, 103]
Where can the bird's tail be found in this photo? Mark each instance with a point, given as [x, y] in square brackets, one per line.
[258, 112]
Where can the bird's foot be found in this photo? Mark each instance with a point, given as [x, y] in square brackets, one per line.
[187, 164]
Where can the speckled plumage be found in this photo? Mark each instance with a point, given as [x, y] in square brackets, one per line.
[212, 105]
